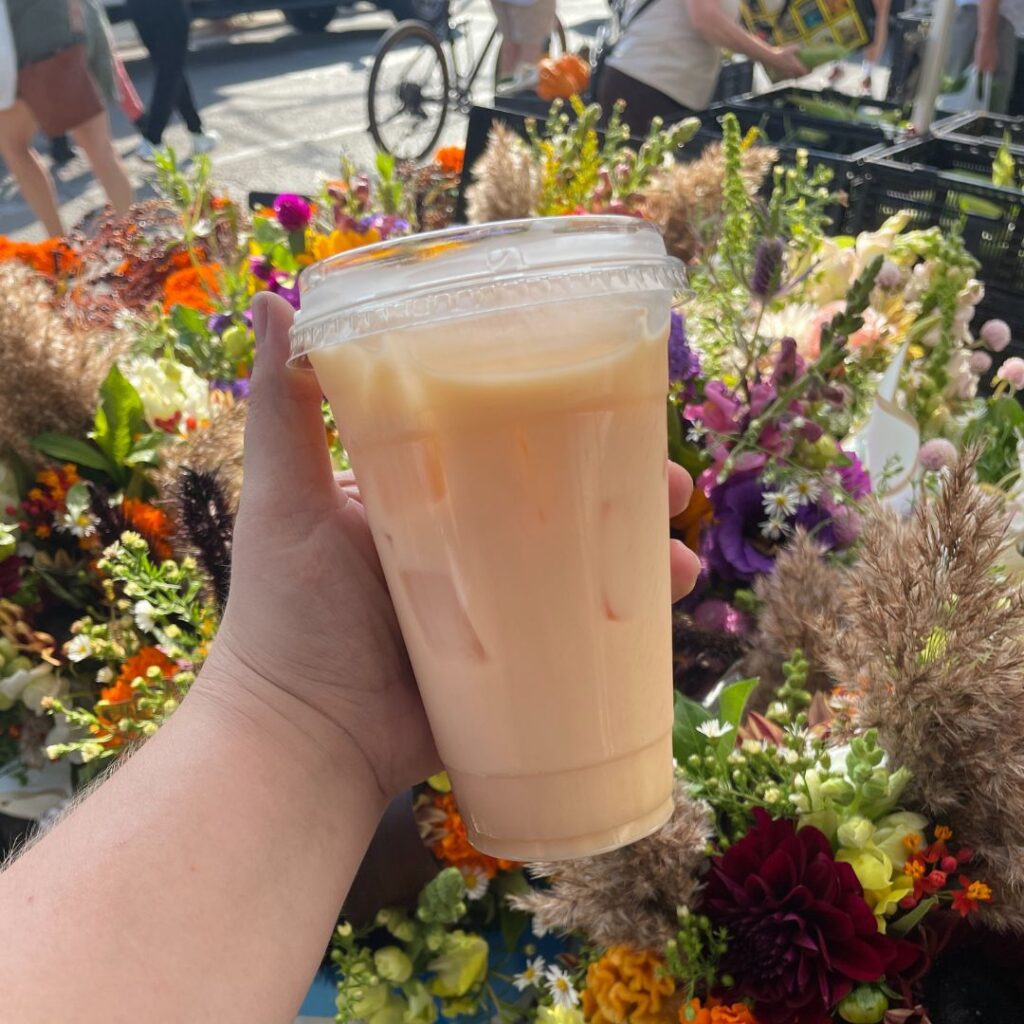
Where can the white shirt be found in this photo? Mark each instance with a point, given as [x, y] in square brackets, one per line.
[1011, 10]
[661, 48]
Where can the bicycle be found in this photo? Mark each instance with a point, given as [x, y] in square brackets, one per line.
[416, 80]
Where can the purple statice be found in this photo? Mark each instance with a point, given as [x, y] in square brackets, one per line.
[387, 224]
[854, 477]
[736, 548]
[683, 362]
[293, 212]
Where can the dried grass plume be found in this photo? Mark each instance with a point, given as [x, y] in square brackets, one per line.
[506, 179]
[50, 371]
[628, 896]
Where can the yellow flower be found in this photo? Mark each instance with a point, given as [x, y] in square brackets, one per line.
[882, 891]
[899, 835]
[559, 1015]
[461, 965]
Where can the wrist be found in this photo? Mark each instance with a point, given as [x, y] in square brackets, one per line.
[286, 730]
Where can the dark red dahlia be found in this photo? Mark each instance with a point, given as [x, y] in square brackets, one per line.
[800, 932]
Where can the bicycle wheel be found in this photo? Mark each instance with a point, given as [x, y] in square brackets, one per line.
[557, 45]
[407, 97]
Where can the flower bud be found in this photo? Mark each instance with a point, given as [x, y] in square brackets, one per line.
[392, 964]
[856, 833]
[864, 1005]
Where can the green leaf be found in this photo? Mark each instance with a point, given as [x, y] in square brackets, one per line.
[189, 321]
[120, 418]
[71, 449]
[267, 233]
[513, 924]
[688, 715]
[385, 165]
[914, 918]
[733, 701]
[145, 450]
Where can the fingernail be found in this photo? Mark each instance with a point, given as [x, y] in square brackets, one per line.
[259, 318]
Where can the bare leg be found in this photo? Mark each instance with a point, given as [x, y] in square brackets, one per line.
[17, 126]
[94, 138]
[509, 57]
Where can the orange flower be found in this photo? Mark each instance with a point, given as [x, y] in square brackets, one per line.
[692, 520]
[450, 159]
[151, 523]
[53, 257]
[714, 1011]
[629, 986]
[194, 287]
[121, 696]
[453, 847]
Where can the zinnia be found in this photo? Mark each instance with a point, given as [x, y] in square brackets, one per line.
[800, 932]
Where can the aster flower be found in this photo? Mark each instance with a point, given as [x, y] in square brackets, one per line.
[476, 881]
[713, 729]
[562, 990]
[78, 648]
[780, 504]
[145, 616]
[806, 489]
[800, 931]
[532, 974]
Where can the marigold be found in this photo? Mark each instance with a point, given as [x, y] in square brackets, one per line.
[121, 696]
[194, 286]
[453, 847]
[53, 257]
[151, 523]
[714, 1011]
[450, 159]
[629, 986]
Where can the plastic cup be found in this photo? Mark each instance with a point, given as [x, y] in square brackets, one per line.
[501, 391]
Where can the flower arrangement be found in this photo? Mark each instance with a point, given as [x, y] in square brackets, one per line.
[846, 805]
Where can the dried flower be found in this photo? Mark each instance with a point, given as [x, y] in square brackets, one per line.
[450, 158]
[506, 180]
[627, 896]
[936, 454]
[208, 526]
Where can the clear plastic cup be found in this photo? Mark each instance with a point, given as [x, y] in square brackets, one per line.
[501, 393]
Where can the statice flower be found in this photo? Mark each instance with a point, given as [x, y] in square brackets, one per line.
[683, 362]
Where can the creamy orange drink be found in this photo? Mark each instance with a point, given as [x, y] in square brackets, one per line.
[501, 393]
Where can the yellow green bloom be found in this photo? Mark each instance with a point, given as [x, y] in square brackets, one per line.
[461, 966]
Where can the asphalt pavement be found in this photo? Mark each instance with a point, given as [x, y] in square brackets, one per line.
[287, 105]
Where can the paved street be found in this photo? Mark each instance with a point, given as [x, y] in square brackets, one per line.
[286, 104]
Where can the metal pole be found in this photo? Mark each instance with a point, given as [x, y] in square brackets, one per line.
[939, 36]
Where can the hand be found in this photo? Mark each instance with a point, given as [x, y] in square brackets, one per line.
[309, 628]
[783, 60]
[986, 54]
[874, 50]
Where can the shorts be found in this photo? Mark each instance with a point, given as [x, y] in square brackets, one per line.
[528, 25]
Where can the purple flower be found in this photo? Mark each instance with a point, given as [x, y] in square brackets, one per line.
[818, 521]
[293, 212]
[854, 477]
[720, 411]
[219, 323]
[683, 363]
[764, 282]
[721, 617]
[239, 388]
[289, 292]
[788, 363]
[762, 394]
[261, 268]
[736, 547]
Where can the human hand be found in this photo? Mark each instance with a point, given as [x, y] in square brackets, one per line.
[873, 51]
[783, 60]
[309, 628]
[986, 53]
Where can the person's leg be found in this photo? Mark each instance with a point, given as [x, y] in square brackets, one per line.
[508, 47]
[1006, 71]
[538, 22]
[187, 107]
[961, 46]
[163, 28]
[94, 138]
[17, 127]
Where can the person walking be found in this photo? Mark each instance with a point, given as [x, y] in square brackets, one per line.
[667, 60]
[985, 34]
[163, 27]
[526, 27]
[57, 92]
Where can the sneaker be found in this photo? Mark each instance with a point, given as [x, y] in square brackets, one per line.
[204, 142]
[146, 151]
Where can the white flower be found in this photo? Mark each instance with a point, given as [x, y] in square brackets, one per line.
[145, 616]
[78, 648]
[532, 975]
[695, 434]
[476, 882]
[774, 529]
[806, 490]
[713, 729]
[561, 988]
[779, 504]
[167, 387]
[105, 676]
[8, 492]
[31, 685]
[81, 525]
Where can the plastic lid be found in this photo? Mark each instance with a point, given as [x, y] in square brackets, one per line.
[467, 271]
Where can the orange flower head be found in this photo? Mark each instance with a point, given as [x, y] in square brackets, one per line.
[453, 847]
[912, 842]
[195, 287]
[914, 868]
[693, 519]
[629, 986]
[151, 524]
[121, 696]
[714, 1011]
[450, 159]
[943, 833]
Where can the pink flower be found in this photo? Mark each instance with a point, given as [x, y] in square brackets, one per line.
[981, 362]
[936, 454]
[1012, 371]
[995, 334]
[809, 343]
[721, 617]
[293, 212]
[720, 411]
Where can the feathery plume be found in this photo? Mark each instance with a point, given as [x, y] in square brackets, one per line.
[208, 526]
[505, 182]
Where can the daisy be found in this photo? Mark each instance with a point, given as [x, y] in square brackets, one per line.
[145, 616]
[806, 490]
[774, 529]
[78, 526]
[533, 974]
[712, 728]
[78, 648]
[779, 504]
[476, 882]
[561, 988]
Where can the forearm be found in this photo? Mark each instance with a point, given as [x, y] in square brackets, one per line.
[988, 20]
[720, 30]
[267, 825]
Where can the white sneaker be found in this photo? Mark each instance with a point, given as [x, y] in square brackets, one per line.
[145, 150]
[204, 142]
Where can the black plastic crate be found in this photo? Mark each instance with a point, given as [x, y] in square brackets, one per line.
[735, 79]
[947, 183]
[880, 119]
[991, 128]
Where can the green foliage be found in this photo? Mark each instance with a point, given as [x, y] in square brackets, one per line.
[694, 954]
[792, 698]
[997, 432]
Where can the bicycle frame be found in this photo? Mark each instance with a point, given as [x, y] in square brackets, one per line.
[462, 84]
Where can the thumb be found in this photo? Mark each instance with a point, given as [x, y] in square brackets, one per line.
[286, 456]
